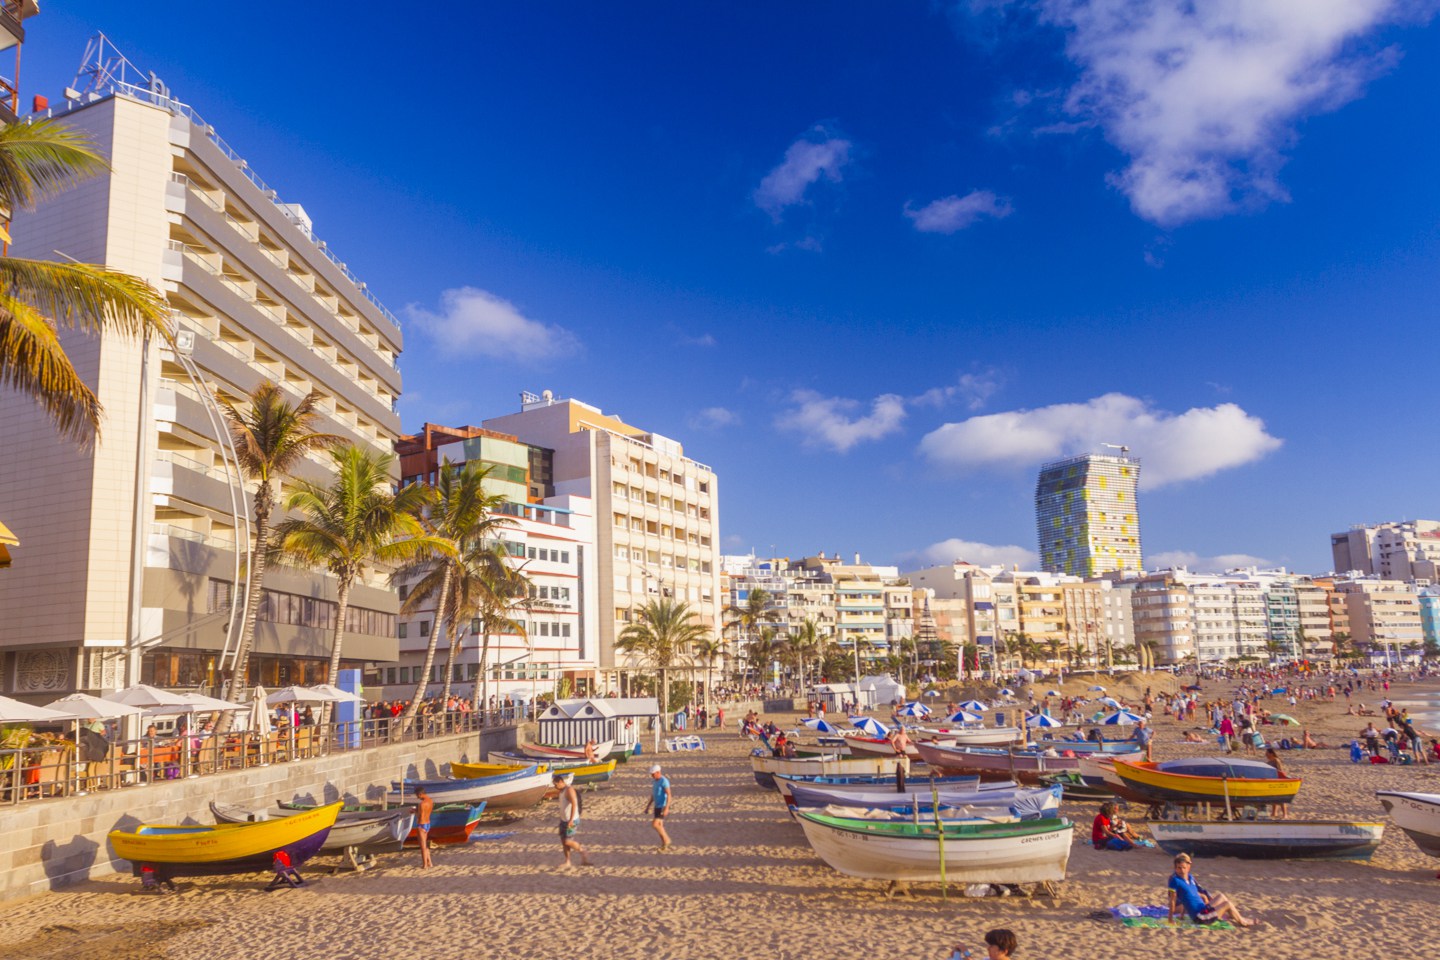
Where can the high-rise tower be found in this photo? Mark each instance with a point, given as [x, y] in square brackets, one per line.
[1086, 514]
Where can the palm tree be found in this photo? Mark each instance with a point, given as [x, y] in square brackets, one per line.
[37, 297]
[661, 634]
[748, 617]
[356, 522]
[763, 651]
[271, 437]
[460, 515]
[810, 642]
[707, 650]
[486, 591]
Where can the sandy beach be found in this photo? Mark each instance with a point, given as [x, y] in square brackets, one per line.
[741, 882]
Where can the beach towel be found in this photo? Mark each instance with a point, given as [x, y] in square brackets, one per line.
[1157, 918]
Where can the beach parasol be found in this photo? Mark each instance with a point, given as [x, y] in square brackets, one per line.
[14, 711]
[1043, 721]
[1122, 718]
[913, 709]
[147, 697]
[336, 695]
[821, 726]
[871, 726]
[1284, 718]
[1006, 692]
[1110, 702]
[295, 695]
[932, 693]
[974, 705]
[962, 716]
[1097, 689]
[82, 706]
[1052, 693]
[194, 703]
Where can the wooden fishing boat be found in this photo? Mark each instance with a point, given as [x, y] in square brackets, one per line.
[877, 747]
[1089, 747]
[1032, 851]
[1418, 814]
[542, 751]
[868, 782]
[583, 771]
[450, 824]
[182, 850]
[1269, 839]
[765, 767]
[1026, 766]
[1021, 802]
[1236, 782]
[1074, 786]
[368, 831]
[971, 736]
[507, 791]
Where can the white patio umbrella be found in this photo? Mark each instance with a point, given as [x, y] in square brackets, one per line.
[147, 697]
[199, 703]
[1043, 721]
[295, 695]
[336, 695]
[82, 706]
[14, 711]
[258, 719]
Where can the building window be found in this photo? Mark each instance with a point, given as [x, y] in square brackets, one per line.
[403, 630]
[389, 674]
[424, 628]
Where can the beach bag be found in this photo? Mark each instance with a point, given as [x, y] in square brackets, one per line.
[1357, 753]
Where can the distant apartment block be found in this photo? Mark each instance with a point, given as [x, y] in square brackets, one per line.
[657, 514]
[551, 539]
[1402, 550]
[130, 547]
[1086, 516]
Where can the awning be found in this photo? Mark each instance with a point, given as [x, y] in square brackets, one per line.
[7, 540]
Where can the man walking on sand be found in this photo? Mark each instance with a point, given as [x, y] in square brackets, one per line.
[659, 804]
[569, 819]
[422, 824]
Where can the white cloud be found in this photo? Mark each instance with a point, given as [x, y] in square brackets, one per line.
[1172, 447]
[703, 340]
[714, 418]
[980, 554]
[972, 389]
[474, 322]
[1204, 97]
[830, 421]
[806, 161]
[952, 213]
[1195, 563]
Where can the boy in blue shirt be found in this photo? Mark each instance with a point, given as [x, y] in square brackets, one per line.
[660, 804]
[1186, 895]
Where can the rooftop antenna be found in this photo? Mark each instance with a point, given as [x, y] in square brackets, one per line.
[104, 65]
[1124, 451]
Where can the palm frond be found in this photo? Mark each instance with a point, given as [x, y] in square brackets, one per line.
[41, 158]
[33, 362]
[86, 296]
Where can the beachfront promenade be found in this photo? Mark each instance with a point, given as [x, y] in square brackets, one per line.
[52, 841]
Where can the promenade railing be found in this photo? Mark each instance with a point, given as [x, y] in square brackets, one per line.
[53, 769]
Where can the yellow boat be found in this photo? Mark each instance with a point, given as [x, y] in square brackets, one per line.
[584, 772]
[174, 850]
[1204, 780]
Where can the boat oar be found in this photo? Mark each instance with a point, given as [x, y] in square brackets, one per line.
[939, 833]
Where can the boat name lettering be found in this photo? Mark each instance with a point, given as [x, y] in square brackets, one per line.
[1182, 828]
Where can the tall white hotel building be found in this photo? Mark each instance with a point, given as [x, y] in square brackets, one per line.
[129, 549]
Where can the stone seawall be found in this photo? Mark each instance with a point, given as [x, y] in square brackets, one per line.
[46, 844]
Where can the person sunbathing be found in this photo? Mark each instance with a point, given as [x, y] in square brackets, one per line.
[1193, 736]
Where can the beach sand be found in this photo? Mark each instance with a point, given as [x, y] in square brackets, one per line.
[741, 882]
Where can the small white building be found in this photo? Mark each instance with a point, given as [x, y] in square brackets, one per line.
[833, 694]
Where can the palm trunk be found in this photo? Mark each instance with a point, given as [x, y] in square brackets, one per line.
[342, 604]
[239, 687]
[450, 656]
[424, 680]
[665, 718]
[484, 669]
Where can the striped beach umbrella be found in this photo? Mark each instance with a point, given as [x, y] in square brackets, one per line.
[870, 726]
[1042, 721]
[914, 709]
[962, 716]
[820, 725]
[974, 705]
[1122, 718]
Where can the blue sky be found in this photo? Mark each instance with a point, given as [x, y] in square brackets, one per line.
[875, 262]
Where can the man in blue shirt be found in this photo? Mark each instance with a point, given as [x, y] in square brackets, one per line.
[1187, 896]
[660, 804]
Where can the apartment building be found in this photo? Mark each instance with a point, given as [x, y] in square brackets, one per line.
[1384, 614]
[1403, 550]
[657, 514]
[1086, 515]
[134, 549]
[551, 539]
[1164, 617]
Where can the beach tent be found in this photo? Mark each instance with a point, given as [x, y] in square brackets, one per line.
[834, 694]
[883, 688]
